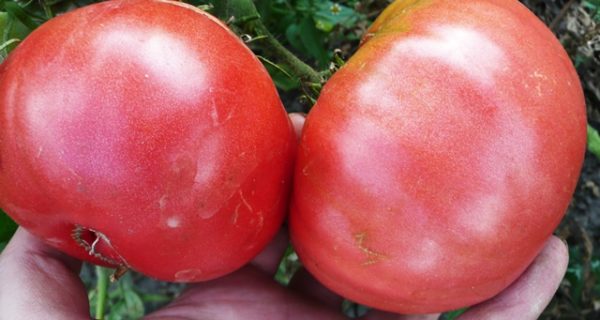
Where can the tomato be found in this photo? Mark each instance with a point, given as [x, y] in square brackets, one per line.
[440, 158]
[144, 134]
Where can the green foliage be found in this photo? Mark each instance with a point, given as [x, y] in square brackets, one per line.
[281, 76]
[594, 6]
[232, 8]
[130, 297]
[452, 315]
[593, 141]
[354, 310]
[19, 18]
[307, 26]
[123, 300]
[288, 266]
[582, 277]
[7, 229]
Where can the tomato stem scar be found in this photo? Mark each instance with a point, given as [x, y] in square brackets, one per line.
[79, 234]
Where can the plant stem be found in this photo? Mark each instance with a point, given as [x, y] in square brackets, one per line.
[243, 14]
[102, 291]
[300, 69]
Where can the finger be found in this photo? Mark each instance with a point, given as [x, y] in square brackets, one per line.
[268, 260]
[298, 122]
[531, 293]
[38, 282]
[305, 284]
[248, 294]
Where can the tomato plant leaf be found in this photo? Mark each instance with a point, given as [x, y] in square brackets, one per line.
[330, 14]
[3, 21]
[7, 227]
[241, 10]
[282, 77]
[28, 19]
[313, 41]
[452, 315]
[292, 34]
[593, 141]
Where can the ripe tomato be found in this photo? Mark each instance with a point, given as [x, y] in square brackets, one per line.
[440, 158]
[144, 133]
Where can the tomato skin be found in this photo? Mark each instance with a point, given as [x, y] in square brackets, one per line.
[150, 125]
[440, 158]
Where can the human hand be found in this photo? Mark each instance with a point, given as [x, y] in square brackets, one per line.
[38, 282]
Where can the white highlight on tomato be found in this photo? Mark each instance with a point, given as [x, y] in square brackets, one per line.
[60, 107]
[424, 255]
[502, 165]
[358, 142]
[464, 49]
[173, 222]
[164, 58]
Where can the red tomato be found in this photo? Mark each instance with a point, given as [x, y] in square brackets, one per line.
[440, 158]
[144, 133]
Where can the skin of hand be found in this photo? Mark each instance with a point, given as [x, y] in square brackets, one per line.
[38, 282]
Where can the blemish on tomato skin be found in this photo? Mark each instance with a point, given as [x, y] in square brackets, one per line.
[162, 202]
[55, 241]
[372, 257]
[236, 214]
[97, 245]
[188, 275]
[245, 202]
[305, 171]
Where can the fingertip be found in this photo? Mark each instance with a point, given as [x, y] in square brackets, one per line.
[529, 295]
[25, 244]
[557, 250]
[297, 120]
[41, 281]
[268, 260]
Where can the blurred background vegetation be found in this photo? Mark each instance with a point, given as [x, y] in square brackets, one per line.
[323, 33]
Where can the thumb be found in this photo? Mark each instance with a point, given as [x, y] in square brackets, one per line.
[38, 282]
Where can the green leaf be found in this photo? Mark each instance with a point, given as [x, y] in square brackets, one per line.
[354, 310]
[241, 10]
[3, 21]
[575, 275]
[453, 314]
[292, 34]
[23, 16]
[288, 266]
[330, 14]
[282, 78]
[130, 307]
[593, 141]
[314, 41]
[7, 227]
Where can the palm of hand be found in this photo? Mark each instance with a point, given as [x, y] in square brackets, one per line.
[37, 282]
